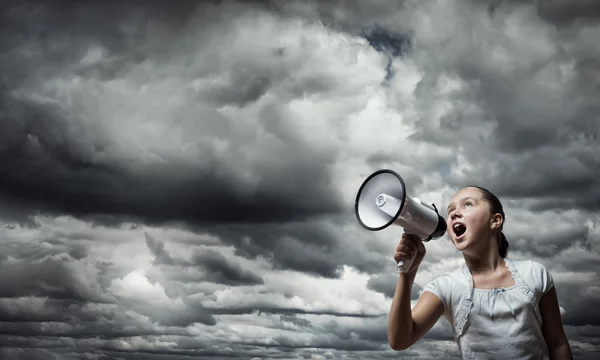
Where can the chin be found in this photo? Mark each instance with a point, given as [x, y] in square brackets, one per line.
[461, 243]
[460, 246]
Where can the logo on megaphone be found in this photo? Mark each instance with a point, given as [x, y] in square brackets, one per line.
[382, 201]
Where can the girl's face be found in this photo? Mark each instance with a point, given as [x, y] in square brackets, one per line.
[469, 218]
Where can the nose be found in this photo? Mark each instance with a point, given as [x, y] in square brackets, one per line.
[454, 214]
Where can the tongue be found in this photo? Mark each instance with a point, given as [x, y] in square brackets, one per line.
[459, 230]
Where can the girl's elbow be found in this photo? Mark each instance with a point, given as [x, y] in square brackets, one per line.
[397, 345]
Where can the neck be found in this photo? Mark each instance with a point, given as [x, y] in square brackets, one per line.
[484, 261]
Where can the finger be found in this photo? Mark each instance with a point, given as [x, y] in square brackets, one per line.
[412, 246]
[400, 255]
[412, 237]
[406, 249]
[420, 253]
[421, 246]
[409, 240]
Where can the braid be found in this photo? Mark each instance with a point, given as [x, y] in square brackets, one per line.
[496, 208]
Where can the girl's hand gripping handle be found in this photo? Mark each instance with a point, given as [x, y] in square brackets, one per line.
[409, 253]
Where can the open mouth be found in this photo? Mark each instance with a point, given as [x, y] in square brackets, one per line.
[459, 229]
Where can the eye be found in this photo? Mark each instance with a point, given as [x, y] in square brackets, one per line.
[468, 203]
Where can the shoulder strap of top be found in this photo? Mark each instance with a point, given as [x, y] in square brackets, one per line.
[523, 285]
[466, 304]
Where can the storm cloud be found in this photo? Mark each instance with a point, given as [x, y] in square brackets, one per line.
[178, 180]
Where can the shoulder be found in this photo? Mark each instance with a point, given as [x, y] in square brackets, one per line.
[536, 275]
[531, 268]
[444, 285]
[439, 286]
[451, 288]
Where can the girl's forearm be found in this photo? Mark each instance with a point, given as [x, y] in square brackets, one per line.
[561, 352]
[400, 322]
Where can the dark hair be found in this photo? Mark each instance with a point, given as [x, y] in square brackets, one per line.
[496, 208]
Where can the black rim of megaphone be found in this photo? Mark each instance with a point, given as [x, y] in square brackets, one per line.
[360, 192]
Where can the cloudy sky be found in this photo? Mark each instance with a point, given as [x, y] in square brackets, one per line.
[177, 181]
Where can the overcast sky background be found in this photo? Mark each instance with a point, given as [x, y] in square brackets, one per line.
[179, 179]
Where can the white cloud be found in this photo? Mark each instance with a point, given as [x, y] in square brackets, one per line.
[347, 295]
[135, 285]
[263, 97]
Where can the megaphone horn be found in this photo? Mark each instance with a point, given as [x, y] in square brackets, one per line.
[382, 201]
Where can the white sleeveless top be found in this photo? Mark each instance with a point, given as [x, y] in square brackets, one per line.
[496, 324]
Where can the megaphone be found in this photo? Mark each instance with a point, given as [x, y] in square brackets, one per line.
[382, 201]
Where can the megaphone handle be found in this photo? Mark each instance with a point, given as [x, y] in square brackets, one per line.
[404, 265]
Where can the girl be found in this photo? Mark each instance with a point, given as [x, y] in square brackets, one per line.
[498, 308]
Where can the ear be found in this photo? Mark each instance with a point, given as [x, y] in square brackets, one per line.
[496, 222]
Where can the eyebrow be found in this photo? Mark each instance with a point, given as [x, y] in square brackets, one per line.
[461, 200]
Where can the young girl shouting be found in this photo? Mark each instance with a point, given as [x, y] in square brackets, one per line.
[498, 308]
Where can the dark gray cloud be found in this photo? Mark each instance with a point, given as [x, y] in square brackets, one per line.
[68, 178]
[177, 180]
[565, 13]
[319, 246]
[250, 309]
[215, 267]
[528, 129]
[56, 278]
[74, 165]
[295, 320]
